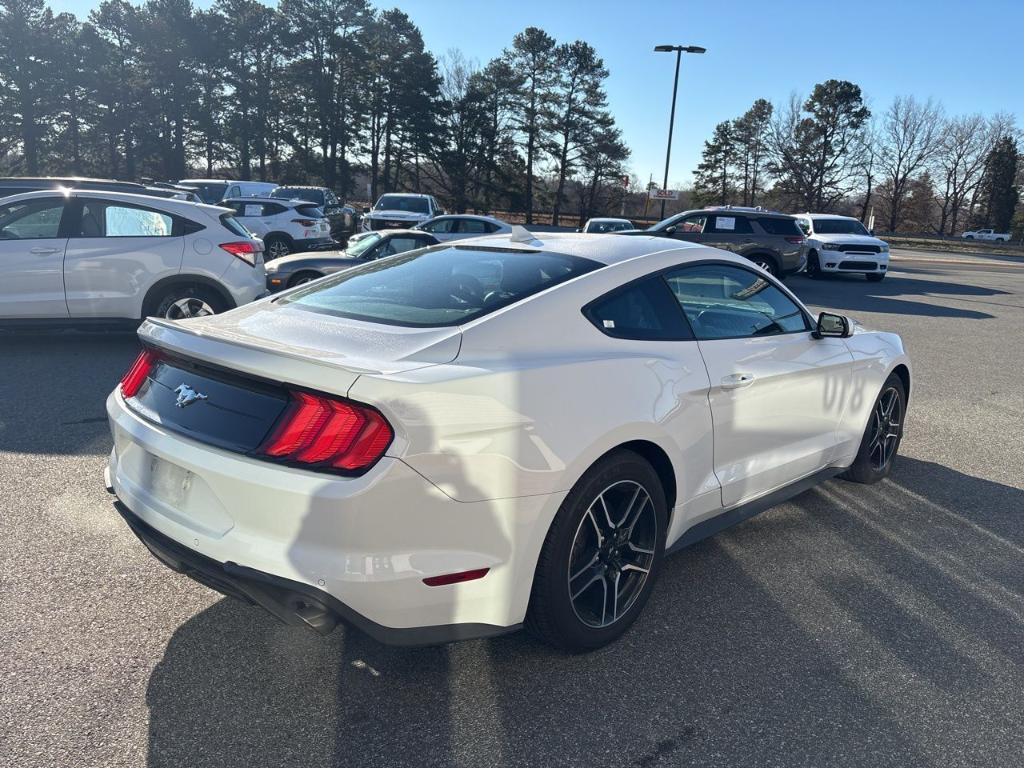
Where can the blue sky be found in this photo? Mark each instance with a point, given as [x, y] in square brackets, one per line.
[966, 55]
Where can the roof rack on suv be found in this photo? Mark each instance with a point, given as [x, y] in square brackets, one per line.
[747, 208]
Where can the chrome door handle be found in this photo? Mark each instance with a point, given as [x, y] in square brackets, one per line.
[737, 380]
[41, 250]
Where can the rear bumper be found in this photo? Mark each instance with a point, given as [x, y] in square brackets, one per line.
[291, 602]
[350, 549]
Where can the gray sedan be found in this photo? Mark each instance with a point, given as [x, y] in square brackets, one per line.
[300, 268]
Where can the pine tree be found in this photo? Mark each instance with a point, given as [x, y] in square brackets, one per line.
[713, 183]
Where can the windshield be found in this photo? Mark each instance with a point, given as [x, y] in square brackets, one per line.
[839, 227]
[402, 203]
[608, 226]
[362, 245]
[210, 192]
[437, 287]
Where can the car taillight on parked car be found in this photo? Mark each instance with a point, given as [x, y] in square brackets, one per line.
[304, 222]
[795, 240]
[326, 432]
[136, 375]
[245, 250]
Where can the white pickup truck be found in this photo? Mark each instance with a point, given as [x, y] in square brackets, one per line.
[986, 234]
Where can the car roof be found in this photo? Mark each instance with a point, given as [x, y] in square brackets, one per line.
[301, 186]
[266, 199]
[61, 179]
[403, 194]
[602, 248]
[148, 201]
[477, 216]
[609, 218]
[741, 210]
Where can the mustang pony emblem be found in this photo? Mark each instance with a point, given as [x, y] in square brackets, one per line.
[187, 395]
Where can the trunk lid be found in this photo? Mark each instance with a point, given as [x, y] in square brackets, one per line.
[283, 343]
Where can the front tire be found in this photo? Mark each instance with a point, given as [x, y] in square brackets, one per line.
[304, 277]
[601, 556]
[813, 269]
[882, 437]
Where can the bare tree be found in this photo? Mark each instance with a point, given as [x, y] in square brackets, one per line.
[911, 133]
[959, 166]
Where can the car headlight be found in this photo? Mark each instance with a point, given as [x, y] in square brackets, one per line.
[884, 248]
[831, 246]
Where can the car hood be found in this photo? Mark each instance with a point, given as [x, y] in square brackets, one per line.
[397, 215]
[295, 260]
[849, 239]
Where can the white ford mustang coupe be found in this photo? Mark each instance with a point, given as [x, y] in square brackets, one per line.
[461, 440]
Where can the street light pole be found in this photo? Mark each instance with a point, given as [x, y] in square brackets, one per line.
[679, 50]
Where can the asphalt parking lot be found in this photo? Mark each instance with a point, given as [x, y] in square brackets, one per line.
[854, 626]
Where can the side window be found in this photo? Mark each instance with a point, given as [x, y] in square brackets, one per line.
[400, 245]
[31, 219]
[645, 310]
[473, 226]
[441, 226]
[108, 219]
[727, 302]
[692, 224]
[247, 210]
[233, 191]
[730, 225]
[272, 209]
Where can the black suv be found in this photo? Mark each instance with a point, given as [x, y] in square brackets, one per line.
[771, 240]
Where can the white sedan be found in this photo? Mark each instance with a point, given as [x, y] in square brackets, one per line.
[462, 225]
[464, 439]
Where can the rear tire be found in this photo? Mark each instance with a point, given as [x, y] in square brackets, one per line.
[767, 263]
[601, 556]
[184, 301]
[277, 246]
[882, 436]
[875, 277]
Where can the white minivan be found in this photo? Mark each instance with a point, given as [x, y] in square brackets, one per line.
[76, 256]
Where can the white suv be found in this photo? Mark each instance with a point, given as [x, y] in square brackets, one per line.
[285, 226]
[400, 211]
[75, 256]
[842, 244]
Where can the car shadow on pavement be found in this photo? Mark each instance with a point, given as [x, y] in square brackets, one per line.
[825, 628]
[56, 384]
[892, 296]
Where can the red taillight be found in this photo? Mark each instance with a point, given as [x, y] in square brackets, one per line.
[455, 578]
[243, 249]
[304, 222]
[327, 432]
[136, 376]
[795, 240]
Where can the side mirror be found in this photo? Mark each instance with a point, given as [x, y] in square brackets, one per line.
[832, 326]
[871, 232]
[366, 210]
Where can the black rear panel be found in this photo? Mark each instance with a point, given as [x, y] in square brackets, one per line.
[211, 406]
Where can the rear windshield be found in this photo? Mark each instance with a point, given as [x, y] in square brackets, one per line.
[446, 285]
[311, 210]
[780, 226]
[299, 193]
[402, 203]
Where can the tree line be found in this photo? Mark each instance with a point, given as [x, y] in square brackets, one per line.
[916, 168]
[333, 92]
